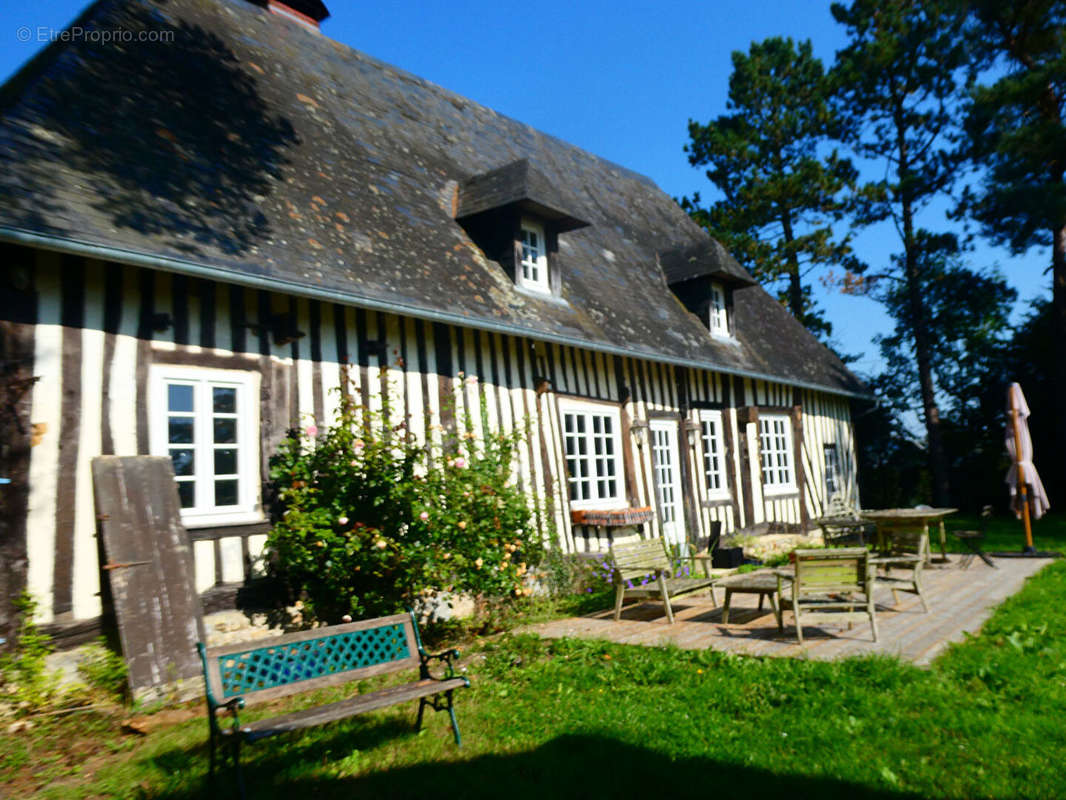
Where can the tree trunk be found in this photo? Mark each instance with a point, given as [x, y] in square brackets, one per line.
[1058, 379]
[922, 345]
[795, 288]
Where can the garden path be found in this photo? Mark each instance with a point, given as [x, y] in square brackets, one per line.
[960, 600]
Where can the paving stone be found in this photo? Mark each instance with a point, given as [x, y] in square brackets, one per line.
[959, 600]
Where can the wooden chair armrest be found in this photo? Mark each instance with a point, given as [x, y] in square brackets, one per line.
[705, 559]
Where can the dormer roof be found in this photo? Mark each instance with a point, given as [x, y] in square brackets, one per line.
[519, 185]
[702, 259]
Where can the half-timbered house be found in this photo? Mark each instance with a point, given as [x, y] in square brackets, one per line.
[213, 211]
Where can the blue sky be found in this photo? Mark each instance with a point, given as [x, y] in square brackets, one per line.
[620, 79]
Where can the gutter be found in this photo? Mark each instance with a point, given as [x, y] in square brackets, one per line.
[63, 244]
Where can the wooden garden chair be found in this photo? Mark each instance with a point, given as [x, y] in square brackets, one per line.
[841, 524]
[900, 563]
[645, 569]
[971, 540]
[830, 586]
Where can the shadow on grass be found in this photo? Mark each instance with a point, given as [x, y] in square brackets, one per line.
[584, 766]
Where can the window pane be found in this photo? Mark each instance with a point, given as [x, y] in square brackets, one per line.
[179, 397]
[183, 461]
[224, 399]
[180, 430]
[226, 462]
[187, 493]
[225, 431]
[226, 493]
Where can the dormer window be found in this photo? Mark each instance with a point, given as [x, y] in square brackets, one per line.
[515, 214]
[719, 316]
[533, 269]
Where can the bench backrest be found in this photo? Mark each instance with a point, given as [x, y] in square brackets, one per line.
[828, 571]
[264, 669]
[637, 559]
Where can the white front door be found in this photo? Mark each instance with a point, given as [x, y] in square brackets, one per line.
[667, 478]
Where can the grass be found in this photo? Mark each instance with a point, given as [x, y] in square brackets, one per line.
[1006, 534]
[571, 718]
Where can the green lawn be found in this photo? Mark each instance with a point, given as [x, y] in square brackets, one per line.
[1006, 534]
[570, 718]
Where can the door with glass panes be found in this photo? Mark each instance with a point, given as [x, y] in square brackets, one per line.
[667, 474]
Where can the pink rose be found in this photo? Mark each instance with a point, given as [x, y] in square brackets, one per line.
[311, 430]
[460, 462]
[424, 516]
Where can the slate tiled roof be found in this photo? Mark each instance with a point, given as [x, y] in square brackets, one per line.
[251, 146]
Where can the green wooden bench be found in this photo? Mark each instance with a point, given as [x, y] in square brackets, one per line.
[257, 671]
[644, 569]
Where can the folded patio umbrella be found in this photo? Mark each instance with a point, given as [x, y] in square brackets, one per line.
[1026, 491]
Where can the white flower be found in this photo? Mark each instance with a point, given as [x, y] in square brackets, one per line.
[342, 521]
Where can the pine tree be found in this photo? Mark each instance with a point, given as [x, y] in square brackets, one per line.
[896, 82]
[1015, 130]
[780, 195]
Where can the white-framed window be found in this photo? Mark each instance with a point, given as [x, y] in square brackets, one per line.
[714, 463]
[775, 440]
[533, 269]
[207, 421]
[831, 454]
[719, 317]
[592, 445]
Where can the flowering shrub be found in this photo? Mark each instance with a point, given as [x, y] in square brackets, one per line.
[369, 521]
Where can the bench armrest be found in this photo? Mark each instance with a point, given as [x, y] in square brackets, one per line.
[232, 706]
[447, 656]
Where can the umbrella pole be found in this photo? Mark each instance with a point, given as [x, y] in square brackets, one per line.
[1023, 488]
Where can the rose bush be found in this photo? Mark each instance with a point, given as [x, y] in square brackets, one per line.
[369, 521]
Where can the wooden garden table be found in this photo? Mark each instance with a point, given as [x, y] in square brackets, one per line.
[889, 520]
[761, 583]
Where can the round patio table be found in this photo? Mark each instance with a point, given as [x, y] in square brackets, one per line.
[889, 520]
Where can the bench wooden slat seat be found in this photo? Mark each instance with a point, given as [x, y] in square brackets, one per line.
[644, 569]
[257, 671]
[360, 704]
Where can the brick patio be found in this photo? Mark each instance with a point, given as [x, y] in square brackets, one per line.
[960, 600]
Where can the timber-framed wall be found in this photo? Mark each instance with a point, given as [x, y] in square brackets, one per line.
[91, 331]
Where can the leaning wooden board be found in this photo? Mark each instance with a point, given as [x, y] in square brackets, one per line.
[150, 568]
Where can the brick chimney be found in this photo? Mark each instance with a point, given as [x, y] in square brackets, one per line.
[308, 13]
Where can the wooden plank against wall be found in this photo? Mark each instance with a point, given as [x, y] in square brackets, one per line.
[149, 567]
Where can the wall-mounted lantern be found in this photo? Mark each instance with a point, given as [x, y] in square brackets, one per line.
[639, 429]
[692, 430]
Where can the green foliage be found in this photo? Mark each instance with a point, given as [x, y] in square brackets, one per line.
[104, 670]
[24, 673]
[897, 82]
[1015, 125]
[779, 193]
[967, 316]
[370, 521]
